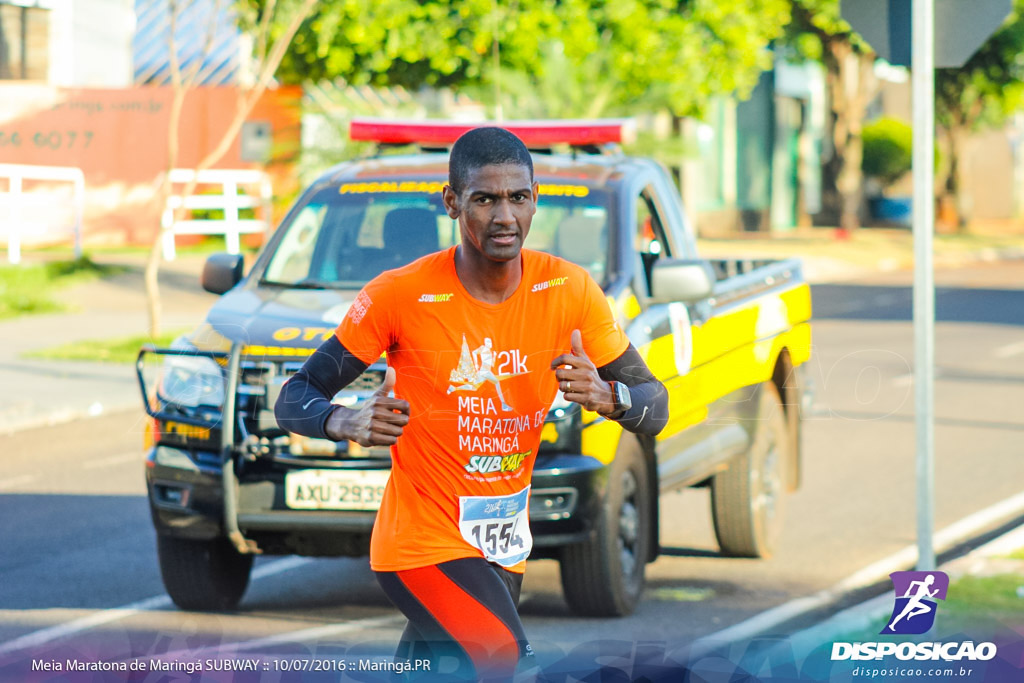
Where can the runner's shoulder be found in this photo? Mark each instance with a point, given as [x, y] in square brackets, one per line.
[548, 272]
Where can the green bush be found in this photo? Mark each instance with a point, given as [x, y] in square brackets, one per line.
[888, 149]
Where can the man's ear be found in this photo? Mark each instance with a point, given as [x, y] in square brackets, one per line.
[450, 201]
[536, 193]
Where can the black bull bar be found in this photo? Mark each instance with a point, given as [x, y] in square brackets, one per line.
[229, 362]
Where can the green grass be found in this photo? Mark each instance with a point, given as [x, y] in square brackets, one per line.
[203, 245]
[992, 595]
[115, 350]
[206, 244]
[33, 288]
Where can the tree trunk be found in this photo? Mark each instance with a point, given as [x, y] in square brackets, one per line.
[955, 188]
[151, 279]
[268, 57]
[849, 79]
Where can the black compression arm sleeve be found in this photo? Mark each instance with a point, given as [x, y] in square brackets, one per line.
[305, 401]
[649, 413]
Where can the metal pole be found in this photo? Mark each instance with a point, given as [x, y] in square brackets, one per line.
[923, 52]
[14, 233]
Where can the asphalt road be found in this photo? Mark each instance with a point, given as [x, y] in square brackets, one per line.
[76, 543]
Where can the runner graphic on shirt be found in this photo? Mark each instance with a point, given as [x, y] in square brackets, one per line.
[475, 368]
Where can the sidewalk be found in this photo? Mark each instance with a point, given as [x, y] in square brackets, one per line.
[39, 393]
[828, 259]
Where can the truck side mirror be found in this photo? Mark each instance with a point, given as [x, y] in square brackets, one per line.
[221, 272]
[682, 280]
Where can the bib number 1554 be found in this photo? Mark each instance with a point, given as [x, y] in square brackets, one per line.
[497, 537]
[498, 526]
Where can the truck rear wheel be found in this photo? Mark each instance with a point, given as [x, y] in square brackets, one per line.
[203, 576]
[747, 500]
[604, 575]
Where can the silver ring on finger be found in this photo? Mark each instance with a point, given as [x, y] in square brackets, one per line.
[568, 385]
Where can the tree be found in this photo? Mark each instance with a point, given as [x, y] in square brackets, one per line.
[981, 93]
[411, 43]
[818, 31]
[663, 53]
[569, 59]
[272, 25]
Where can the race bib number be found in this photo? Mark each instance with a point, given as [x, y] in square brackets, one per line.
[498, 525]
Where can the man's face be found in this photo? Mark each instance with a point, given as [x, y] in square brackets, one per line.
[494, 209]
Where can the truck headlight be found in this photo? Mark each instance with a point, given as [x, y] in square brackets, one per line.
[191, 381]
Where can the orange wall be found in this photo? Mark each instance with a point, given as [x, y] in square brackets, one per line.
[119, 140]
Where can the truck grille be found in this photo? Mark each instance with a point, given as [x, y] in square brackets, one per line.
[255, 375]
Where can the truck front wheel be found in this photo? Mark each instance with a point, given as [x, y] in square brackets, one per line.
[604, 575]
[203, 576]
[747, 500]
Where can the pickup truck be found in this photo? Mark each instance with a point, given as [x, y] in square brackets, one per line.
[727, 337]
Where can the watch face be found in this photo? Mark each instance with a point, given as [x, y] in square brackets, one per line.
[622, 398]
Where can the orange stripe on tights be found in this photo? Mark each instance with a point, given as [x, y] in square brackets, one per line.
[484, 637]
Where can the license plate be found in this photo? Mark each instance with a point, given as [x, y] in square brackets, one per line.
[335, 489]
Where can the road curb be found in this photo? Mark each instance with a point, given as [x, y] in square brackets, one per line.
[949, 537]
[9, 426]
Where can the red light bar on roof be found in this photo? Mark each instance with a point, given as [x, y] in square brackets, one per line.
[532, 133]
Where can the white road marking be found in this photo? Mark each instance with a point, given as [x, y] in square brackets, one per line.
[46, 635]
[60, 631]
[873, 573]
[14, 482]
[278, 566]
[1009, 350]
[907, 379]
[113, 460]
[303, 635]
[903, 380]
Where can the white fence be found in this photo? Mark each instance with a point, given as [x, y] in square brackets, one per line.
[229, 201]
[16, 220]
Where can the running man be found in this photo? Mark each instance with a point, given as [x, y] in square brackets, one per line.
[482, 360]
[914, 606]
[452, 535]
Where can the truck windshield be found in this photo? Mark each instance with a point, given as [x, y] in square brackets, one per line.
[343, 236]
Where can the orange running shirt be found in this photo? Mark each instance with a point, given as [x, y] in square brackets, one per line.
[479, 385]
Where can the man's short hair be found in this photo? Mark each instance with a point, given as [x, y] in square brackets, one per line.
[483, 147]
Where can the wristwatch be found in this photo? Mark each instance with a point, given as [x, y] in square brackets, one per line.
[623, 401]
